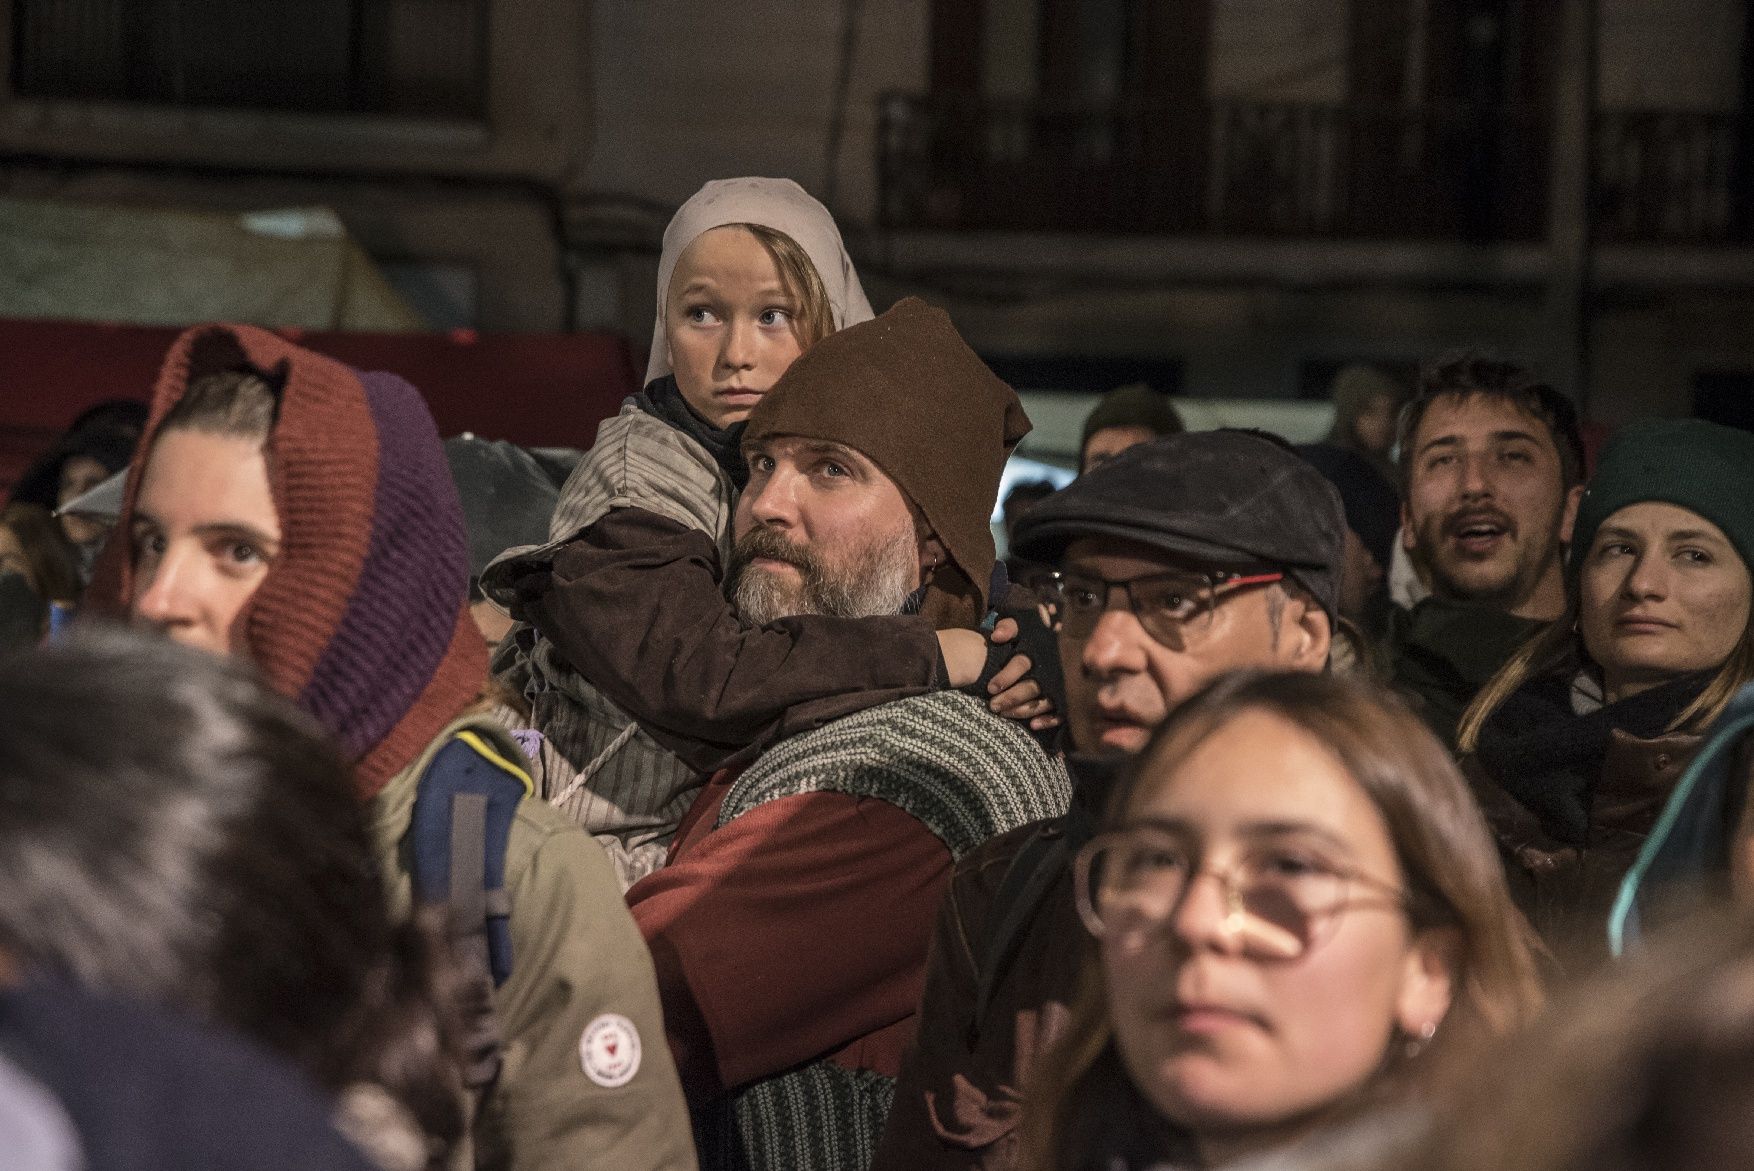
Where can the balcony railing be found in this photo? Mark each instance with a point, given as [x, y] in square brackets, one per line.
[1294, 170]
[1676, 176]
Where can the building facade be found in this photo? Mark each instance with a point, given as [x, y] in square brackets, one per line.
[1224, 197]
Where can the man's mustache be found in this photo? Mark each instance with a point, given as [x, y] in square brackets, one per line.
[768, 543]
[1460, 521]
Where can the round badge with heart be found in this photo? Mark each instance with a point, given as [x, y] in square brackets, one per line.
[609, 1050]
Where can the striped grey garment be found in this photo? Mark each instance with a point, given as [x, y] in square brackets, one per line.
[965, 773]
[807, 1128]
[597, 765]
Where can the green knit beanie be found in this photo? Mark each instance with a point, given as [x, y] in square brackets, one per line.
[1705, 467]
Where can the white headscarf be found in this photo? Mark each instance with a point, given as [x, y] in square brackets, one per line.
[779, 204]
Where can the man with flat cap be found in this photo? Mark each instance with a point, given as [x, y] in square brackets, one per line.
[1179, 560]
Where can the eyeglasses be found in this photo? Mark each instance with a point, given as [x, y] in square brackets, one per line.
[1174, 608]
[1278, 900]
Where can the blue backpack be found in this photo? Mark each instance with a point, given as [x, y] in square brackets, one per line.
[457, 838]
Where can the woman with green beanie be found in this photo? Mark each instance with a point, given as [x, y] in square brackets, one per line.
[1577, 742]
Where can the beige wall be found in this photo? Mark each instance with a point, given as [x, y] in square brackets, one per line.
[1669, 54]
[691, 90]
[502, 235]
[1279, 50]
[1646, 347]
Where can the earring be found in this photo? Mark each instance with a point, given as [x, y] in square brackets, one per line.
[1417, 1042]
[933, 568]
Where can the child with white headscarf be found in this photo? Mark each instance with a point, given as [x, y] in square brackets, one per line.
[753, 272]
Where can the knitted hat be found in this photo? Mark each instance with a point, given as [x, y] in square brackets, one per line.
[1133, 405]
[1705, 467]
[362, 618]
[904, 390]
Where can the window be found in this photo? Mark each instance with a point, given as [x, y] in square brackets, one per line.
[1725, 396]
[422, 58]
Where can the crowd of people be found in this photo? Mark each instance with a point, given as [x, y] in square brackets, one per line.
[718, 797]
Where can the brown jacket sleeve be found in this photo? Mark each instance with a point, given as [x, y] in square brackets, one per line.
[790, 933]
[635, 604]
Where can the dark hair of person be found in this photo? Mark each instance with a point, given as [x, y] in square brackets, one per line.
[54, 566]
[1648, 1066]
[1447, 859]
[121, 414]
[170, 830]
[1273, 437]
[1470, 374]
[106, 432]
[1025, 494]
[234, 403]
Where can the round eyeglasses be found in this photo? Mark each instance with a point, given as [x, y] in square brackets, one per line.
[1278, 899]
[1174, 608]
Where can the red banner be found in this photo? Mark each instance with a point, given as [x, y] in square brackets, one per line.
[543, 390]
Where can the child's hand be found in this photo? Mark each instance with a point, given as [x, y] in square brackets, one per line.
[1016, 691]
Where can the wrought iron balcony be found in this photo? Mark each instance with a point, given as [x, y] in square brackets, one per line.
[1673, 176]
[1280, 169]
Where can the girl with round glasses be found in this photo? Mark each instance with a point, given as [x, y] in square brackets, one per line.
[1298, 914]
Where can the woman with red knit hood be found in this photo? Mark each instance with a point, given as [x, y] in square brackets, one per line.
[287, 508]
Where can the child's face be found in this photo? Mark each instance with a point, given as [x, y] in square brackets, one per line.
[728, 320]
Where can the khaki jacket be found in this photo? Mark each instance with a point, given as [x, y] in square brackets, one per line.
[581, 982]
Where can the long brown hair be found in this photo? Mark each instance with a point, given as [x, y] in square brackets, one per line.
[54, 567]
[1450, 866]
[1558, 649]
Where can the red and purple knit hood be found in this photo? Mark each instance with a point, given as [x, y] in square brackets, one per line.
[363, 617]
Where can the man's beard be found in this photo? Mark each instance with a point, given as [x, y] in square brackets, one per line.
[1500, 582]
[876, 578]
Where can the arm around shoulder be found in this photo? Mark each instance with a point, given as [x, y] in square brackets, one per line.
[636, 604]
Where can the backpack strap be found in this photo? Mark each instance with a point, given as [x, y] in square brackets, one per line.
[457, 839]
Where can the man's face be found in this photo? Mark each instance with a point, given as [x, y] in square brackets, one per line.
[820, 529]
[79, 475]
[1359, 579]
[1121, 683]
[1486, 504]
[1109, 442]
[1374, 426]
